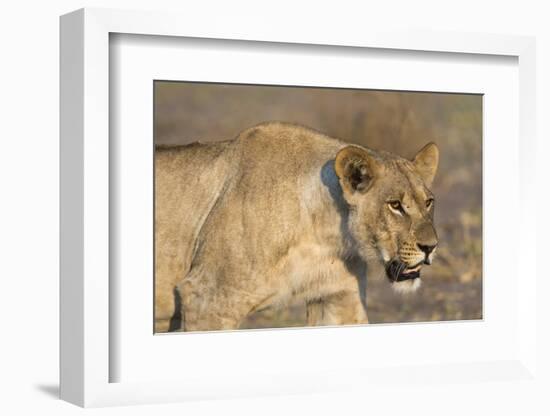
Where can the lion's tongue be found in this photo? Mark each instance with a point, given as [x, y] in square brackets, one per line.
[414, 270]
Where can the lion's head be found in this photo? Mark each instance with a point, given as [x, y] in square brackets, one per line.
[391, 209]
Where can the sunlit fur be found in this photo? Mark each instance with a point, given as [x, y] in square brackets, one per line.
[268, 218]
[408, 286]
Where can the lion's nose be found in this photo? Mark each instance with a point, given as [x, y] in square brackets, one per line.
[426, 249]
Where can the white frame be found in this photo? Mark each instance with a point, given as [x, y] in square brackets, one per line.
[85, 196]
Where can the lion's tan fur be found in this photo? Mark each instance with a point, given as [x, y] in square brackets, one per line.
[262, 219]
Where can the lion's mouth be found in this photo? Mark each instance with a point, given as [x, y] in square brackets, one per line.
[398, 271]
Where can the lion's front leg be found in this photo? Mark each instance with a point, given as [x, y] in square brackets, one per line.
[342, 308]
[345, 300]
[212, 302]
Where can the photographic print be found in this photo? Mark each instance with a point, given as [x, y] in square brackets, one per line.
[289, 206]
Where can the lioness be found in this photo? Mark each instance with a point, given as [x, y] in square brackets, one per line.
[281, 212]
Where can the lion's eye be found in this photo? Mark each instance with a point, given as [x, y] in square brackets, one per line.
[429, 203]
[396, 205]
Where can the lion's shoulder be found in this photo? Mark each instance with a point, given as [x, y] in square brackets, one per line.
[282, 132]
[284, 145]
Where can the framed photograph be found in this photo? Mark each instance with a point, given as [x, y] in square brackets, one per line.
[281, 213]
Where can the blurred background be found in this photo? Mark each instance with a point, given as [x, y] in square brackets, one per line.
[399, 122]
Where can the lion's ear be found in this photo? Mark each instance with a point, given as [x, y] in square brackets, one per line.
[356, 169]
[426, 161]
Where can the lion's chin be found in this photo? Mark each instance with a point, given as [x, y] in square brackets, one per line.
[407, 286]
